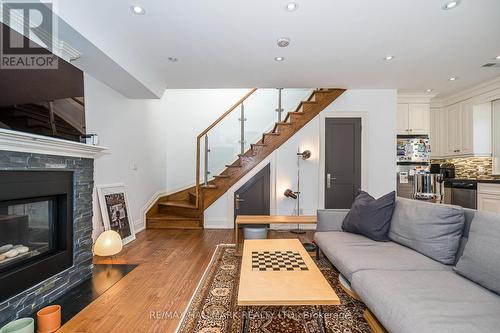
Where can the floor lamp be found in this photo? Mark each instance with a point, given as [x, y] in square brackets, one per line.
[306, 154]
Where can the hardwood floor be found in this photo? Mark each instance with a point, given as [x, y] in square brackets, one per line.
[171, 263]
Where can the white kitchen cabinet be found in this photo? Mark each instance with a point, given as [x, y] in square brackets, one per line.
[496, 137]
[413, 118]
[454, 129]
[402, 119]
[488, 197]
[467, 137]
[419, 118]
[439, 132]
[462, 129]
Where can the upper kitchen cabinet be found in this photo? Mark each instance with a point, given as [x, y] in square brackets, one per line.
[454, 128]
[413, 118]
[402, 123]
[461, 129]
[439, 132]
[496, 136]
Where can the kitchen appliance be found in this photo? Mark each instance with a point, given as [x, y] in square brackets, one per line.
[414, 149]
[435, 168]
[461, 193]
[447, 170]
[428, 187]
[405, 178]
[413, 155]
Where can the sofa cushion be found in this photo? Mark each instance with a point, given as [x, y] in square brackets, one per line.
[480, 261]
[428, 301]
[431, 229]
[370, 217]
[351, 253]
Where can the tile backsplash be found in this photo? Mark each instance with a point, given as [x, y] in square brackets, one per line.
[471, 167]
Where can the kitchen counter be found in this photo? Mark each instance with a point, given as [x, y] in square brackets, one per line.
[472, 180]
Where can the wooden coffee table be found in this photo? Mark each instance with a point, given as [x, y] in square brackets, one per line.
[280, 272]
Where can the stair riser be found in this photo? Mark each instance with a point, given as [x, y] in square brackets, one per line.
[192, 198]
[173, 225]
[179, 211]
[305, 107]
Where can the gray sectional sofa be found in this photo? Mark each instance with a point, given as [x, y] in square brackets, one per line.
[439, 273]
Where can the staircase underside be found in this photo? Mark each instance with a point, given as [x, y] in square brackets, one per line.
[179, 210]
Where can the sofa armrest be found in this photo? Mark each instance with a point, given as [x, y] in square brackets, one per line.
[330, 219]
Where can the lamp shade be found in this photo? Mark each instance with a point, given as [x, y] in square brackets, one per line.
[108, 243]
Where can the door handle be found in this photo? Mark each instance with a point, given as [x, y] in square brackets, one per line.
[329, 180]
[237, 201]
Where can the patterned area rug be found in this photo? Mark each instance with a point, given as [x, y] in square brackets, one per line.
[214, 309]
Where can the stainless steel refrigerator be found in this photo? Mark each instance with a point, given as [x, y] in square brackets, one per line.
[413, 156]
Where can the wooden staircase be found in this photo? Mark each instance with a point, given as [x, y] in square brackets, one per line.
[184, 209]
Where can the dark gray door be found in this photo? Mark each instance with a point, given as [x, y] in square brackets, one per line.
[253, 198]
[342, 161]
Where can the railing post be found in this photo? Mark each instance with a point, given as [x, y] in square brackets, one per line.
[242, 120]
[198, 172]
[205, 169]
[279, 109]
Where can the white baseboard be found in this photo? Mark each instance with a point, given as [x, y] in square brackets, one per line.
[217, 224]
[139, 225]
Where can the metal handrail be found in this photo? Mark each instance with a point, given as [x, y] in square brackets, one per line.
[202, 134]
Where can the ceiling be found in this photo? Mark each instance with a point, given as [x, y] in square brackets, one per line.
[334, 43]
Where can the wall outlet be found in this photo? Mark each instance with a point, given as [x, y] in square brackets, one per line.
[481, 169]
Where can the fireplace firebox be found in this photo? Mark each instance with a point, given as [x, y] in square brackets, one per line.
[36, 227]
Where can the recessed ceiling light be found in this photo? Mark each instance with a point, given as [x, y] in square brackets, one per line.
[138, 10]
[279, 58]
[283, 42]
[429, 90]
[497, 57]
[453, 78]
[291, 6]
[389, 58]
[451, 4]
[172, 59]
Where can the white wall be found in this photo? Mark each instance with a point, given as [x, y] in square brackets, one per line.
[134, 131]
[378, 109]
[189, 112]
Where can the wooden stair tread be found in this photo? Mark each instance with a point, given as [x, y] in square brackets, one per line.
[222, 176]
[173, 217]
[233, 166]
[209, 186]
[182, 204]
[271, 133]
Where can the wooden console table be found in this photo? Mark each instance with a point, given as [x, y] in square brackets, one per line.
[270, 219]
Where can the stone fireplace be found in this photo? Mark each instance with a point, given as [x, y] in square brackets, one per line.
[46, 217]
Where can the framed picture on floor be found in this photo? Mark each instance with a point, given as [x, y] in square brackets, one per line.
[115, 210]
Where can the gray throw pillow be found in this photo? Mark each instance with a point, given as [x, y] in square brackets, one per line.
[432, 229]
[370, 217]
[480, 261]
